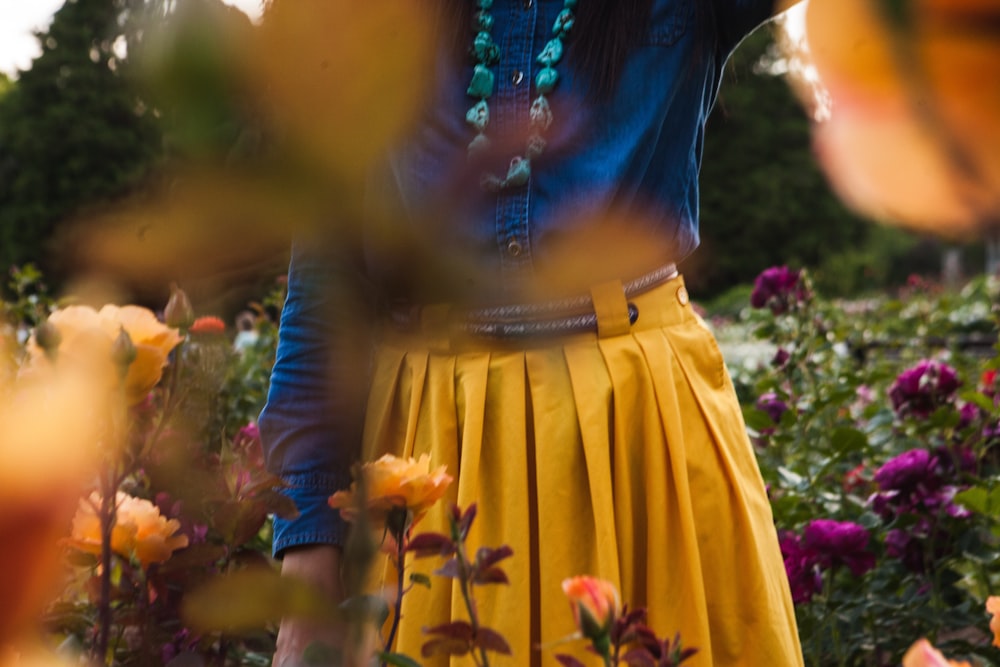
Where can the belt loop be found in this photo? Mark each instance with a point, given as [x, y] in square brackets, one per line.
[435, 323]
[611, 308]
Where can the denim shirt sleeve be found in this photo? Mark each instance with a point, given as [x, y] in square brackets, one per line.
[311, 424]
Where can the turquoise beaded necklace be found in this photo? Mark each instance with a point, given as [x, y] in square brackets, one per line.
[487, 54]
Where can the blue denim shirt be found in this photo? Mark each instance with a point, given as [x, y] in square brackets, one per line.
[636, 153]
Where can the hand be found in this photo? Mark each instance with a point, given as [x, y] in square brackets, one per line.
[319, 566]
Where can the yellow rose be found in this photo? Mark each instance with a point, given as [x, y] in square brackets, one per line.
[87, 338]
[923, 654]
[595, 603]
[139, 532]
[395, 483]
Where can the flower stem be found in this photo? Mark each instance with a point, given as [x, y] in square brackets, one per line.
[107, 516]
[398, 606]
[470, 605]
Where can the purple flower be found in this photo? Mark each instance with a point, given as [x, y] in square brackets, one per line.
[801, 567]
[839, 543]
[967, 414]
[772, 405]
[778, 288]
[903, 546]
[907, 471]
[922, 389]
[780, 358]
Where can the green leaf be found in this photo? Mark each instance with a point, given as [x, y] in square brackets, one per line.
[758, 420]
[372, 608]
[846, 439]
[397, 659]
[250, 599]
[420, 579]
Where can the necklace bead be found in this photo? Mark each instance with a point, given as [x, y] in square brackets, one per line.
[486, 54]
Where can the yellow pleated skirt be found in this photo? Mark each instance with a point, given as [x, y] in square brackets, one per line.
[622, 455]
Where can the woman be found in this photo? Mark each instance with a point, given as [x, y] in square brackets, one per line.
[533, 335]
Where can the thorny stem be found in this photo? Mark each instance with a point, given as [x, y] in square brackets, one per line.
[470, 605]
[107, 516]
[398, 605]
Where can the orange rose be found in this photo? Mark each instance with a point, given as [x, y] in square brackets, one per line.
[595, 603]
[395, 483]
[139, 532]
[993, 607]
[87, 338]
[912, 136]
[923, 654]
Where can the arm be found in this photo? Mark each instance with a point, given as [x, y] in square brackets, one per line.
[311, 425]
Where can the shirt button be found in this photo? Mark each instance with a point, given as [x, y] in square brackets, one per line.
[682, 296]
[513, 247]
[517, 77]
[528, 3]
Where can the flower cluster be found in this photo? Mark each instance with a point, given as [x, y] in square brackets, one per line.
[395, 483]
[780, 289]
[922, 389]
[100, 343]
[916, 485]
[139, 530]
[824, 544]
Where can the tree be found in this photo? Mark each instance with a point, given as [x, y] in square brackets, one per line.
[73, 133]
[765, 201]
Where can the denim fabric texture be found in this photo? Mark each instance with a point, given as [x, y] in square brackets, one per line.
[636, 153]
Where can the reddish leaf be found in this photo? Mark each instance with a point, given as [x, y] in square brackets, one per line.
[251, 518]
[568, 660]
[639, 657]
[491, 640]
[453, 630]
[444, 647]
[449, 569]
[278, 504]
[466, 521]
[486, 557]
[493, 575]
[453, 639]
[431, 544]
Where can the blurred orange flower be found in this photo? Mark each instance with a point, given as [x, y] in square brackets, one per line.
[395, 483]
[139, 532]
[87, 338]
[912, 136]
[993, 607]
[595, 603]
[923, 654]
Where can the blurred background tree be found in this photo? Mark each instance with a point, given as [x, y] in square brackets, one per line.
[766, 202]
[73, 132]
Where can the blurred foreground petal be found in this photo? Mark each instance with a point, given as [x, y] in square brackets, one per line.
[913, 137]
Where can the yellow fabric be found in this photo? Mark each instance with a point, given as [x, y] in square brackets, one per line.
[623, 457]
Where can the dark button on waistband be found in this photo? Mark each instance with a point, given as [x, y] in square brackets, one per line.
[513, 247]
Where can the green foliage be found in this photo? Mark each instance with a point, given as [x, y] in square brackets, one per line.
[72, 131]
[934, 561]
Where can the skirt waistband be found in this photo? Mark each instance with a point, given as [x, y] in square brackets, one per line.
[606, 310]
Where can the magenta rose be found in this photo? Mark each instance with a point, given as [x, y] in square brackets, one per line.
[839, 543]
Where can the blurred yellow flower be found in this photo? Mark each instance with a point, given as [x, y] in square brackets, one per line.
[139, 532]
[87, 338]
[395, 483]
[923, 654]
[993, 607]
[595, 603]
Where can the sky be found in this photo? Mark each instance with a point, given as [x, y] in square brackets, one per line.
[20, 18]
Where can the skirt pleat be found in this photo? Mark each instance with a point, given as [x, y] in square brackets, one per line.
[622, 457]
